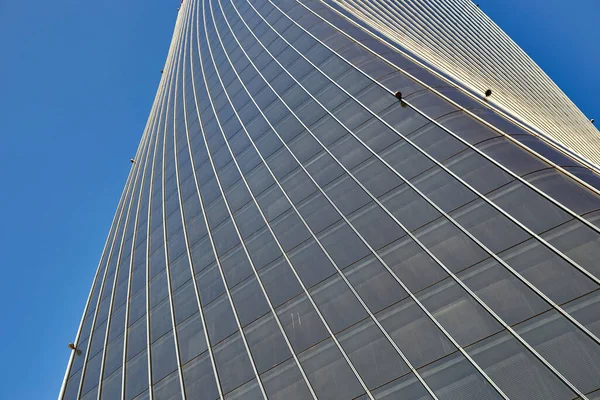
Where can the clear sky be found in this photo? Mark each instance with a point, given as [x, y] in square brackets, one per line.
[77, 79]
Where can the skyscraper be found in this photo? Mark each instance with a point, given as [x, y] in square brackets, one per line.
[348, 199]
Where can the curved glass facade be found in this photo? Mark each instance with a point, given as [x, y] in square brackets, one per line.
[292, 228]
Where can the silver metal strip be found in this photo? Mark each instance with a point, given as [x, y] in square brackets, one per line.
[309, 297]
[171, 71]
[365, 307]
[173, 94]
[87, 304]
[118, 266]
[153, 130]
[413, 237]
[101, 290]
[187, 244]
[496, 257]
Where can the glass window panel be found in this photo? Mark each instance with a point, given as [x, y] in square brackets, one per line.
[451, 246]
[407, 387]
[330, 95]
[564, 346]
[441, 188]
[343, 244]
[511, 156]
[415, 334]
[237, 196]
[547, 271]
[262, 248]
[353, 81]
[404, 120]
[467, 127]
[373, 356]
[249, 301]
[279, 282]
[304, 147]
[163, 357]
[528, 207]
[159, 289]
[290, 230]
[273, 203]
[111, 387]
[318, 212]
[199, 379]
[136, 338]
[351, 114]
[346, 194]
[285, 383]
[478, 172]
[516, 371]
[413, 266]
[489, 226]
[210, 284]
[399, 80]
[311, 263]
[249, 391]
[91, 395]
[374, 284]
[236, 266]
[328, 130]
[98, 340]
[233, 363]
[220, 319]
[137, 307]
[585, 310]
[179, 271]
[301, 323]
[329, 374]
[409, 207]
[225, 237]
[117, 323]
[324, 169]
[78, 359]
[578, 242]
[136, 378]
[376, 177]
[349, 152]
[376, 135]
[202, 255]
[376, 226]
[337, 303]
[464, 319]
[503, 292]
[249, 219]
[190, 335]
[282, 163]
[266, 343]
[298, 185]
[430, 104]
[455, 378]
[114, 356]
[185, 302]
[160, 320]
[169, 388]
[92, 373]
[375, 98]
[436, 142]
[72, 386]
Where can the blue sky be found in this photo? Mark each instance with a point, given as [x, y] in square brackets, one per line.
[77, 82]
